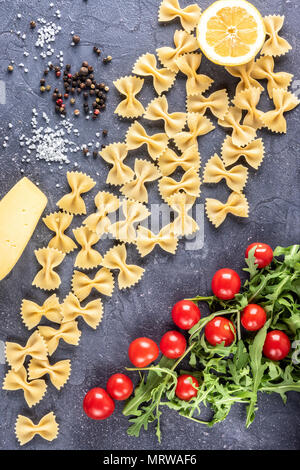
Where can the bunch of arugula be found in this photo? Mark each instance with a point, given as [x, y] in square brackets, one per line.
[233, 374]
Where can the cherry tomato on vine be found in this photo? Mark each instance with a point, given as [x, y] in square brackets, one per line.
[263, 254]
[277, 345]
[143, 351]
[253, 317]
[186, 387]
[185, 314]
[97, 404]
[119, 387]
[226, 283]
[220, 330]
[173, 344]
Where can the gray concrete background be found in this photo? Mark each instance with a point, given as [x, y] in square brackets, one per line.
[126, 29]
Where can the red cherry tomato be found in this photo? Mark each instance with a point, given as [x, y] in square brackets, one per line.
[185, 390]
[277, 345]
[143, 351]
[219, 330]
[226, 283]
[119, 387]
[97, 404]
[173, 344]
[253, 317]
[185, 314]
[263, 254]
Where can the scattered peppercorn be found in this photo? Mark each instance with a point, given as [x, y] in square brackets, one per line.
[32, 24]
[76, 112]
[95, 154]
[104, 132]
[10, 68]
[42, 89]
[85, 151]
[72, 101]
[48, 87]
[76, 39]
[58, 73]
[107, 59]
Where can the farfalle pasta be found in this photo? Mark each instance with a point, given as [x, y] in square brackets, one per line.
[189, 16]
[32, 313]
[163, 79]
[253, 152]
[129, 274]
[183, 224]
[248, 101]
[16, 354]
[198, 125]
[244, 73]
[59, 372]
[33, 391]
[217, 102]
[47, 428]
[83, 285]
[88, 257]
[215, 171]
[169, 161]
[264, 69]
[283, 101]
[91, 313]
[275, 45]
[79, 183]
[130, 107]
[136, 137]
[217, 212]
[145, 172]
[58, 222]
[241, 134]
[147, 240]
[106, 203]
[196, 83]
[184, 43]
[47, 278]
[158, 110]
[115, 154]
[68, 332]
[134, 213]
[189, 183]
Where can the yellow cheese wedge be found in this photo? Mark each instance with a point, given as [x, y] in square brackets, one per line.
[20, 211]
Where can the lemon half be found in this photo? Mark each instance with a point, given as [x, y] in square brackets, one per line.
[231, 32]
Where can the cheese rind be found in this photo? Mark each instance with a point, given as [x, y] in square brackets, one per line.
[20, 211]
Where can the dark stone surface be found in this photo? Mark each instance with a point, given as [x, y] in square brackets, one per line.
[126, 29]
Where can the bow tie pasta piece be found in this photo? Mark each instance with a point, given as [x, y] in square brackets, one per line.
[217, 212]
[264, 69]
[91, 313]
[69, 332]
[284, 101]
[106, 203]
[115, 154]
[145, 172]
[188, 64]
[253, 152]
[183, 224]
[47, 428]
[47, 278]
[198, 125]
[58, 222]
[87, 258]
[217, 102]
[169, 161]
[189, 16]
[33, 391]
[184, 42]
[82, 285]
[215, 171]
[241, 134]
[129, 274]
[248, 101]
[190, 184]
[32, 313]
[16, 354]
[166, 239]
[137, 136]
[59, 372]
[134, 212]
[275, 45]
[244, 73]
[79, 183]
[130, 107]
[158, 110]
[163, 79]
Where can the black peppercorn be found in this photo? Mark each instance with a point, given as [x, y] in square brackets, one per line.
[76, 39]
